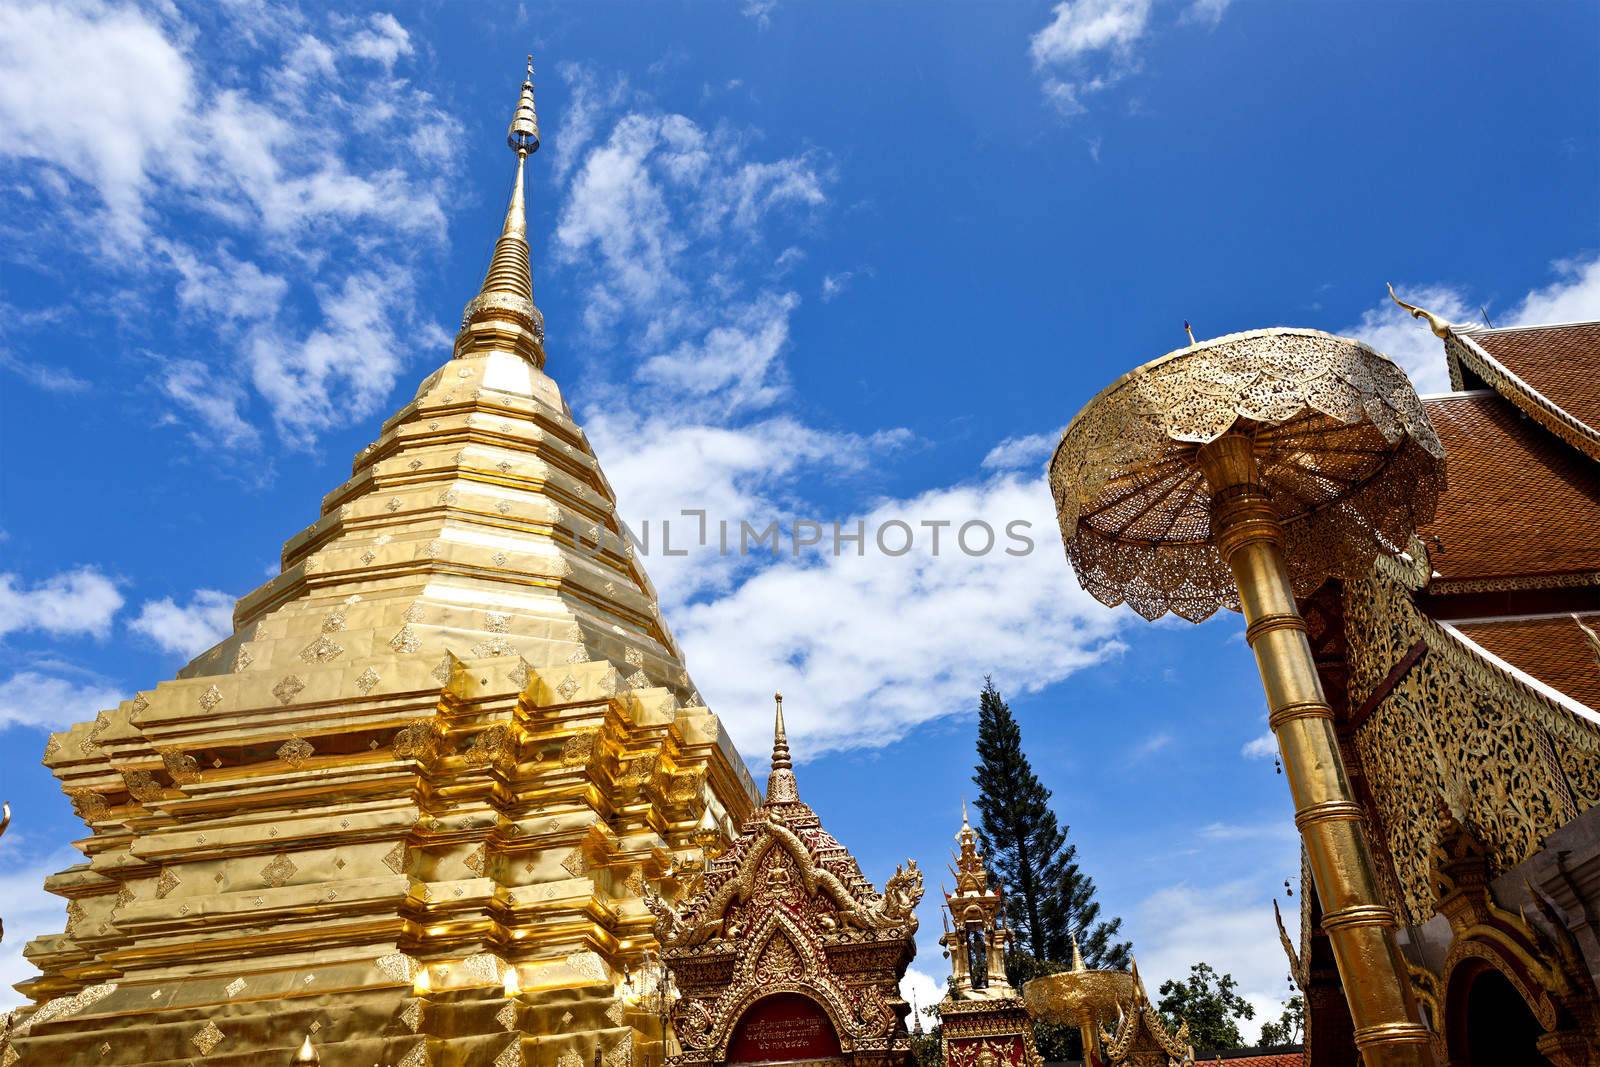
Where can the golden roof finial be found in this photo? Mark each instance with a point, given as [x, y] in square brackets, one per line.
[782, 787]
[1439, 327]
[503, 314]
[523, 134]
[1077, 957]
[307, 1053]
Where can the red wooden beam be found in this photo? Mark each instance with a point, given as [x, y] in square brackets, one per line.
[1396, 675]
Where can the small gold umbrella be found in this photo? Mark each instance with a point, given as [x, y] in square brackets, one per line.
[1240, 472]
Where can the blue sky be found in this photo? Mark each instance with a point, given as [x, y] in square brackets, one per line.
[798, 261]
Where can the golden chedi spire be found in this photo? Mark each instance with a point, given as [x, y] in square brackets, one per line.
[503, 315]
[412, 778]
[782, 786]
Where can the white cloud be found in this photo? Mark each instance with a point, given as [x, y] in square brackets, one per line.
[736, 363]
[30, 912]
[189, 629]
[1228, 926]
[216, 399]
[1083, 27]
[835, 284]
[664, 222]
[80, 601]
[1087, 46]
[342, 369]
[923, 990]
[1272, 830]
[1263, 747]
[384, 40]
[97, 91]
[1573, 297]
[1017, 452]
[759, 11]
[871, 645]
[289, 178]
[1159, 741]
[31, 698]
[50, 379]
[1206, 12]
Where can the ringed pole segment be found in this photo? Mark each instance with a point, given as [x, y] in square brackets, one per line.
[1241, 472]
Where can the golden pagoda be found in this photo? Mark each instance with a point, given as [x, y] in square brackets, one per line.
[409, 810]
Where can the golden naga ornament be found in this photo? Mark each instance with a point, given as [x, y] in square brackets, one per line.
[1240, 472]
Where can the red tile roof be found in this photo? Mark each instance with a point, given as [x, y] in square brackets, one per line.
[1561, 363]
[1554, 650]
[1520, 501]
[1270, 1059]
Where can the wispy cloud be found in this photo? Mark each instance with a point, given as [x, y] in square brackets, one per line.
[1205, 12]
[270, 191]
[33, 698]
[76, 602]
[1087, 46]
[30, 911]
[187, 629]
[1030, 450]
[671, 226]
[1263, 747]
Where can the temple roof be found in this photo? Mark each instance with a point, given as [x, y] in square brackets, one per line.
[1550, 372]
[1520, 501]
[1555, 649]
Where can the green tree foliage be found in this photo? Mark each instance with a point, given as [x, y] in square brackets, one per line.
[1210, 1003]
[1048, 899]
[1291, 1025]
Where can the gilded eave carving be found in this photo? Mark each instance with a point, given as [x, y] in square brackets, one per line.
[1506, 760]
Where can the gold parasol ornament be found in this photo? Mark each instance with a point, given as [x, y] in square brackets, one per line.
[1340, 441]
[1240, 472]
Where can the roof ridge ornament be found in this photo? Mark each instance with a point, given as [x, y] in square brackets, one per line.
[1439, 326]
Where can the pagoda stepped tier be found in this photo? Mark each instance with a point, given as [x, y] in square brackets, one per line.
[412, 805]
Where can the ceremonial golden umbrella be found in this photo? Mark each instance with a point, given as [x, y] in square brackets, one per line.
[1240, 472]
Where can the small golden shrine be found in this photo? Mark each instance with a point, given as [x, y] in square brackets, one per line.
[783, 952]
[1142, 1038]
[984, 1020]
[412, 805]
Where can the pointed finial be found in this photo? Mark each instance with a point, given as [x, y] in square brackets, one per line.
[503, 316]
[307, 1053]
[1077, 956]
[964, 823]
[1439, 327]
[523, 134]
[782, 787]
[1188, 330]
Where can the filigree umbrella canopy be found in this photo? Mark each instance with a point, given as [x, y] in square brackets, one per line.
[1340, 438]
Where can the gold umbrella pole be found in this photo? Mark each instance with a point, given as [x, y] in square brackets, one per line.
[1249, 538]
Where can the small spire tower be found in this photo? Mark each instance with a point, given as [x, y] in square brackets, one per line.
[782, 786]
[975, 934]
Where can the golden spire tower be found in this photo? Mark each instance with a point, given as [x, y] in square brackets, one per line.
[412, 804]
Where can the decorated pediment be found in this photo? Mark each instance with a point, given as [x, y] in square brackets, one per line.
[786, 911]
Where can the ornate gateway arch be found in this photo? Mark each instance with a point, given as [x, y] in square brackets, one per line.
[785, 953]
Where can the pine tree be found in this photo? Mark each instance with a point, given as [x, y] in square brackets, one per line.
[1049, 901]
